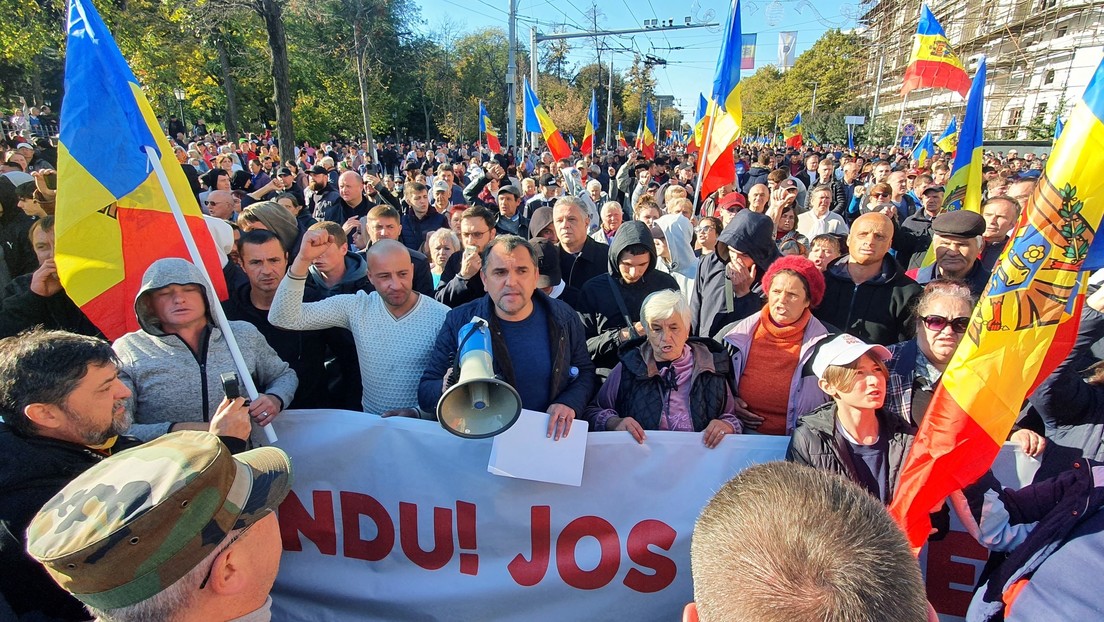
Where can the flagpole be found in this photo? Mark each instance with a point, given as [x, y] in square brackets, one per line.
[900, 119]
[197, 259]
[703, 153]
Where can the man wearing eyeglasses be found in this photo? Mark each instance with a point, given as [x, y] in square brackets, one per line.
[956, 237]
[220, 204]
[63, 408]
[177, 529]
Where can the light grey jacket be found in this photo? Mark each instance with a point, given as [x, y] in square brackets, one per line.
[170, 383]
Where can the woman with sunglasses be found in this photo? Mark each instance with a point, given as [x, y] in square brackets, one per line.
[708, 229]
[879, 193]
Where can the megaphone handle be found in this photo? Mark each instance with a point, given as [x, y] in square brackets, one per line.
[454, 370]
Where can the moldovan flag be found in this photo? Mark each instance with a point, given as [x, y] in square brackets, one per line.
[933, 63]
[747, 51]
[648, 137]
[963, 189]
[587, 147]
[113, 216]
[537, 120]
[1028, 301]
[487, 129]
[793, 133]
[621, 137]
[638, 141]
[948, 141]
[698, 131]
[724, 110]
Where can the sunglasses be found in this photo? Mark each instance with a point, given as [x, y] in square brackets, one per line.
[880, 194]
[704, 229]
[937, 323]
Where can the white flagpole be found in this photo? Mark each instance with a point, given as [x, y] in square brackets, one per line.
[197, 259]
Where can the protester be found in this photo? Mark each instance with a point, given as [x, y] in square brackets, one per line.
[821, 217]
[582, 258]
[782, 541]
[441, 245]
[63, 408]
[389, 368]
[271, 216]
[179, 354]
[727, 288]
[551, 279]
[133, 507]
[707, 231]
[419, 220]
[612, 217]
[510, 221]
[1001, 215]
[775, 345]
[321, 194]
[823, 250]
[539, 345]
[460, 281]
[541, 225]
[786, 235]
[667, 380]
[384, 223]
[867, 294]
[852, 435]
[292, 203]
[610, 303]
[15, 226]
[956, 239]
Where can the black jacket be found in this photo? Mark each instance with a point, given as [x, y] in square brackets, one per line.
[318, 204]
[752, 234]
[454, 290]
[15, 245]
[21, 309]
[32, 471]
[839, 202]
[602, 316]
[573, 380]
[877, 311]
[816, 443]
[592, 261]
[756, 175]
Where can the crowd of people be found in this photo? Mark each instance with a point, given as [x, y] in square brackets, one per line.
[794, 301]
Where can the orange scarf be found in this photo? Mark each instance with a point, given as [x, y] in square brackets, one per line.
[771, 362]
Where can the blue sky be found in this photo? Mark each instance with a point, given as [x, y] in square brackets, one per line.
[689, 70]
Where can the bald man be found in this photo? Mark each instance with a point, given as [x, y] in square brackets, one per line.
[394, 327]
[220, 204]
[867, 293]
[351, 206]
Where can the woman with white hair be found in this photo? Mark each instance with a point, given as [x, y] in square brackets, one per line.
[667, 380]
[441, 245]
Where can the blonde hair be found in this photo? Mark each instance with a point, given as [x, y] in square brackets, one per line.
[841, 377]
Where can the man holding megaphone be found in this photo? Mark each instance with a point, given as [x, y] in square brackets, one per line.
[537, 342]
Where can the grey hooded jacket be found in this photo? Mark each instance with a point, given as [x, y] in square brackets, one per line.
[172, 384]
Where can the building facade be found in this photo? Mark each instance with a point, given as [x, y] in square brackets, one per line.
[1040, 56]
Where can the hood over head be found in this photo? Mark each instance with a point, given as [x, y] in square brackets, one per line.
[750, 233]
[541, 219]
[631, 233]
[277, 219]
[162, 273]
[678, 232]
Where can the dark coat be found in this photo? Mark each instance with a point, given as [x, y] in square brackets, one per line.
[21, 309]
[877, 311]
[816, 443]
[318, 204]
[592, 261]
[602, 316]
[454, 290]
[752, 234]
[573, 379]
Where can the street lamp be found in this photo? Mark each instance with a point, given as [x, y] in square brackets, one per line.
[179, 94]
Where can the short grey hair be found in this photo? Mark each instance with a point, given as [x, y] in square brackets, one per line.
[592, 183]
[509, 243]
[663, 305]
[445, 233]
[610, 206]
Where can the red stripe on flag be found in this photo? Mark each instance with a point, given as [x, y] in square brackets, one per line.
[924, 74]
[558, 146]
[950, 452]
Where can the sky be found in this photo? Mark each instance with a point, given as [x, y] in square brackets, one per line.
[689, 70]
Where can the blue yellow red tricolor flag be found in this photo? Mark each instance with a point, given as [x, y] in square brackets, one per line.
[1030, 300]
[933, 63]
[948, 140]
[487, 130]
[587, 147]
[963, 189]
[638, 141]
[648, 137]
[747, 51]
[793, 133]
[113, 215]
[621, 137]
[698, 130]
[537, 120]
[724, 110]
[924, 149]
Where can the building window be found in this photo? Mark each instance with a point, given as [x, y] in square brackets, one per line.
[1014, 116]
[1062, 32]
[1047, 4]
[1049, 77]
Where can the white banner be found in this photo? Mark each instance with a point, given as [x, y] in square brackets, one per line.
[396, 519]
[787, 46]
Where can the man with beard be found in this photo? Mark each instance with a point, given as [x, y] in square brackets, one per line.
[394, 327]
[320, 195]
[64, 411]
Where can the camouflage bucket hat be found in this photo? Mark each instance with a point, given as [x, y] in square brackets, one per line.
[135, 523]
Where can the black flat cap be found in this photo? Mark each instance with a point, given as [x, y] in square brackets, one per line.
[959, 224]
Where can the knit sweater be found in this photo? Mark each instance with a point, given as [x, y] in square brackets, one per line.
[392, 352]
[774, 354]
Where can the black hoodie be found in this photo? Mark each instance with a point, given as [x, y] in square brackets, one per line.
[750, 233]
[602, 316]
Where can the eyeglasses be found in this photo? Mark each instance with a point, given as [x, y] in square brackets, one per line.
[936, 323]
[879, 194]
[705, 229]
[207, 577]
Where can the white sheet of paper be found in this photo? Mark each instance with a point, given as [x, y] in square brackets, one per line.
[525, 451]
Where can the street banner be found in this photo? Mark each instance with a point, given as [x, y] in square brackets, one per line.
[787, 45]
[396, 519]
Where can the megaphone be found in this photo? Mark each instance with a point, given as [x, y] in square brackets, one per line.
[478, 405]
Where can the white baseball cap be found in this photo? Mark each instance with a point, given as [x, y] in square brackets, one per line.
[845, 349]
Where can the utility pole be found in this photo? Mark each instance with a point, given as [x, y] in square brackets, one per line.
[812, 110]
[511, 79]
[609, 103]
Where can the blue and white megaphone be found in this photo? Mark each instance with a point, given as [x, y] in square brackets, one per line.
[478, 405]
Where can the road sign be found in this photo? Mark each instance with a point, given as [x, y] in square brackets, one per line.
[854, 120]
[909, 129]
[908, 141]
